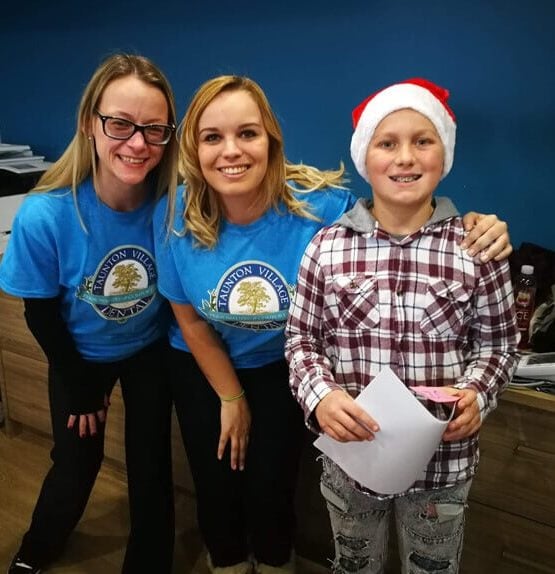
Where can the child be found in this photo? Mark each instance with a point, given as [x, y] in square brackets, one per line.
[389, 285]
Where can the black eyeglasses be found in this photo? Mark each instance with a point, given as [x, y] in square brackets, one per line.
[122, 129]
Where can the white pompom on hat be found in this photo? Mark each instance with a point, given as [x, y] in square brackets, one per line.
[417, 94]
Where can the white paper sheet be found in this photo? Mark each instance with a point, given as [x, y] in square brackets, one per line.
[408, 437]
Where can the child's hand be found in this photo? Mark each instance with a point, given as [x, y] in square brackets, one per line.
[343, 420]
[467, 419]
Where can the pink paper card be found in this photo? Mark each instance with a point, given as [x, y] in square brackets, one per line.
[435, 394]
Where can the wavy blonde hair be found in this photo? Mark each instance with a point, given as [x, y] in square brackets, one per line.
[79, 158]
[203, 211]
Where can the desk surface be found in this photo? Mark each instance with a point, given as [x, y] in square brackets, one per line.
[530, 398]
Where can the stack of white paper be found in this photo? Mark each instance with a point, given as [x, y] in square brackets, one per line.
[20, 159]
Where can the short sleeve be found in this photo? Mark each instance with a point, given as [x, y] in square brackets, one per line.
[166, 246]
[30, 266]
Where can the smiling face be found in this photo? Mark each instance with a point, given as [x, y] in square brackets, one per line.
[404, 161]
[233, 147]
[123, 165]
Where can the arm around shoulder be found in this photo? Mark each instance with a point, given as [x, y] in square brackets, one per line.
[487, 235]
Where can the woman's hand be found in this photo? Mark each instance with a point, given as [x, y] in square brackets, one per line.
[88, 421]
[487, 235]
[467, 419]
[235, 426]
[340, 417]
[214, 361]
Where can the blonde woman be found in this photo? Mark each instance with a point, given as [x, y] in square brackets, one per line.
[81, 256]
[228, 263]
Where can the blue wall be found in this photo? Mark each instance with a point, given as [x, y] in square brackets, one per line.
[316, 61]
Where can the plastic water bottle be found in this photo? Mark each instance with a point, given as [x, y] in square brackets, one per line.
[525, 296]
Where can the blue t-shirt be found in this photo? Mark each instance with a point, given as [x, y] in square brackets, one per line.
[105, 275]
[244, 285]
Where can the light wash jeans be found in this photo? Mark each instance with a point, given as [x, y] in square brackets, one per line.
[429, 526]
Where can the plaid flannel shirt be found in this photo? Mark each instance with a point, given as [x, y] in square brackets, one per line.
[418, 304]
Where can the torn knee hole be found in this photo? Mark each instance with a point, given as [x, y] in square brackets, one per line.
[428, 563]
[354, 544]
[352, 564]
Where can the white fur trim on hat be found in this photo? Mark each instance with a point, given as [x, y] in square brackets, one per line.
[398, 97]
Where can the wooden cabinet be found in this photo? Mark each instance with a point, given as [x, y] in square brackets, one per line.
[511, 518]
[22, 369]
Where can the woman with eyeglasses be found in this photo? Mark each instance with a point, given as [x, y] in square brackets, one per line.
[81, 257]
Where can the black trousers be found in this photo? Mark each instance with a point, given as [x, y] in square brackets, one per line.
[76, 462]
[249, 511]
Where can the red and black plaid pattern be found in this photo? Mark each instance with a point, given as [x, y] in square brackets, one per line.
[419, 305]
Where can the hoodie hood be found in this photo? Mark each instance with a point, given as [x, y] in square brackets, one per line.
[360, 219]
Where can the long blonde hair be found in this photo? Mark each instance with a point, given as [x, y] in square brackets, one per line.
[79, 158]
[203, 212]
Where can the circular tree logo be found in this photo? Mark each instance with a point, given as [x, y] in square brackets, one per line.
[123, 284]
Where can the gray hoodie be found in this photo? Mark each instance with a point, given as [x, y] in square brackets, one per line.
[361, 220]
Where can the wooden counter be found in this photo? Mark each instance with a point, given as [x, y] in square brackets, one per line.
[511, 517]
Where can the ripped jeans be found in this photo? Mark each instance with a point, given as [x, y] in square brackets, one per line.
[429, 526]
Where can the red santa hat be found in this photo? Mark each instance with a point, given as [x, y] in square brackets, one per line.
[417, 94]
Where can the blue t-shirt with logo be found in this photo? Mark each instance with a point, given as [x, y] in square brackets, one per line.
[103, 269]
[244, 285]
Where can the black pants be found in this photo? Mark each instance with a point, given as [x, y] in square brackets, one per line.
[76, 462]
[240, 512]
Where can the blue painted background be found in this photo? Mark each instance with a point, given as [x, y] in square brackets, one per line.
[316, 60]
